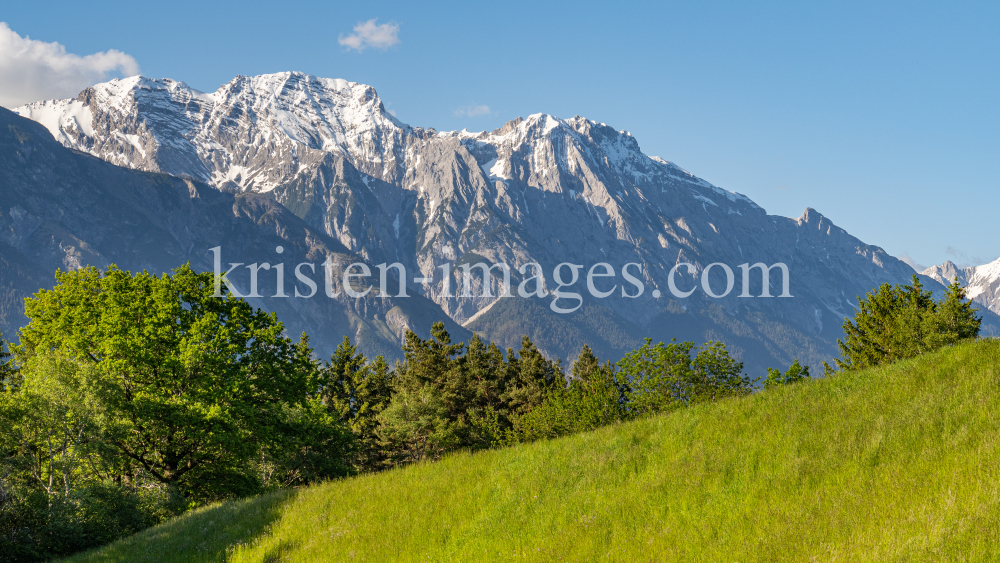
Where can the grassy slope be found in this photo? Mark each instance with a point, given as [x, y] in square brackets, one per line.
[894, 464]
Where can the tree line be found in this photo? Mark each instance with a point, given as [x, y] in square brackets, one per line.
[132, 398]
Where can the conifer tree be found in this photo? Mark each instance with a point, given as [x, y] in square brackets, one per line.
[356, 391]
[532, 375]
[427, 414]
[955, 319]
[896, 322]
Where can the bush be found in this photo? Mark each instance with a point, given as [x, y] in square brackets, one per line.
[37, 527]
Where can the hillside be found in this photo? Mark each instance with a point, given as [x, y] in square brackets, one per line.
[899, 463]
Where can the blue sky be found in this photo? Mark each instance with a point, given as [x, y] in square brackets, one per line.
[884, 118]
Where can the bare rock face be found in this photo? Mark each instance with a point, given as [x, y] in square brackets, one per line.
[982, 283]
[539, 189]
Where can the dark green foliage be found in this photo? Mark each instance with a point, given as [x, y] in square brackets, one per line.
[795, 373]
[448, 396]
[35, 527]
[594, 397]
[532, 376]
[310, 443]
[954, 319]
[896, 322]
[649, 380]
[426, 417]
[355, 392]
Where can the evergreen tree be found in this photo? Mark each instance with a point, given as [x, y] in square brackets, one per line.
[531, 376]
[427, 415]
[955, 318]
[896, 322]
[586, 365]
[591, 399]
[356, 391]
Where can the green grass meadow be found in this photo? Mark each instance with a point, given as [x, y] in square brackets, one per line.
[900, 463]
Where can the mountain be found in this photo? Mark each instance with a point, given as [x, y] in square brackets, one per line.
[65, 209]
[982, 282]
[540, 189]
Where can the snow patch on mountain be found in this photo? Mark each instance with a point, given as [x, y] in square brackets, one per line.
[60, 116]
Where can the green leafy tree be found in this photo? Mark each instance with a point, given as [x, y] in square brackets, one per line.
[192, 387]
[665, 376]
[795, 372]
[8, 370]
[717, 375]
[59, 492]
[51, 420]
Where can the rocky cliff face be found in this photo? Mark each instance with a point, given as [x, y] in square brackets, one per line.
[540, 189]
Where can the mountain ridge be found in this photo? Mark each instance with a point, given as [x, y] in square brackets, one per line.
[65, 210]
[538, 189]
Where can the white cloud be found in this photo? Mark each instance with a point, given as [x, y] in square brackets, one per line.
[35, 70]
[473, 110]
[912, 263]
[367, 34]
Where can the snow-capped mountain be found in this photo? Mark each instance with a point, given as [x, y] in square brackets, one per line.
[252, 134]
[540, 189]
[982, 283]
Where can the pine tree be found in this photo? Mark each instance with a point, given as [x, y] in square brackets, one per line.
[896, 322]
[955, 318]
[585, 365]
[356, 391]
[531, 376]
[427, 415]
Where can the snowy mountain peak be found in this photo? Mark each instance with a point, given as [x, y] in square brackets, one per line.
[982, 283]
[253, 133]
